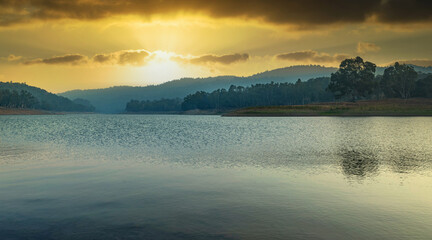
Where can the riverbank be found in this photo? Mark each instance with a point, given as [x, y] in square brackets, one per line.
[22, 111]
[189, 112]
[388, 107]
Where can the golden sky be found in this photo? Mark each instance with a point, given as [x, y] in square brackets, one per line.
[62, 45]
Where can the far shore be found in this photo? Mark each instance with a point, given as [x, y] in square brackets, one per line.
[388, 107]
[364, 108]
[25, 111]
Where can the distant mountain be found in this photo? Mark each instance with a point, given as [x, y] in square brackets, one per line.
[302, 71]
[114, 99]
[47, 100]
[419, 69]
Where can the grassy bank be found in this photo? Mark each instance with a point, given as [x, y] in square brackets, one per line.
[22, 111]
[388, 107]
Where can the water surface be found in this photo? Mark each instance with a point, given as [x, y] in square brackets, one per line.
[209, 177]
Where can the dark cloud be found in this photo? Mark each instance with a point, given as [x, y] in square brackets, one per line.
[305, 12]
[404, 11]
[102, 58]
[132, 57]
[73, 59]
[224, 59]
[312, 56]
[127, 57]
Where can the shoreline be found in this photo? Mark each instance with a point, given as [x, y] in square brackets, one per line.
[367, 108]
[318, 115]
[24, 111]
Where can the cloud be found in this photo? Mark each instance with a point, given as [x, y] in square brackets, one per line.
[72, 59]
[404, 11]
[363, 47]
[224, 59]
[125, 57]
[306, 12]
[102, 58]
[133, 57]
[138, 57]
[312, 56]
[12, 58]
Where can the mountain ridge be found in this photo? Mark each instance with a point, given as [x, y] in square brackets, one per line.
[113, 99]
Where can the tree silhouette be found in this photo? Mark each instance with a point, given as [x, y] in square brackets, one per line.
[399, 81]
[354, 79]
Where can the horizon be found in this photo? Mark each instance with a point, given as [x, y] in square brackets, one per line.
[203, 77]
[61, 46]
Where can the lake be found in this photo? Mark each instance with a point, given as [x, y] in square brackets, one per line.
[211, 177]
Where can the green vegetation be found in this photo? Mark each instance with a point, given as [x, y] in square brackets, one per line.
[20, 95]
[114, 99]
[388, 107]
[268, 94]
[13, 99]
[399, 81]
[163, 105]
[354, 80]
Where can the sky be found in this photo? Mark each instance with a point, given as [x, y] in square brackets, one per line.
[60, 45]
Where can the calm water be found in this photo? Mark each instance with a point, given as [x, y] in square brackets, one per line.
[209, 177]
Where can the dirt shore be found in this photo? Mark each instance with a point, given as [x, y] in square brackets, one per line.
[21, 111]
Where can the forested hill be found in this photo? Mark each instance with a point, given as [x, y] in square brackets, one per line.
[113, 100]
[19, 95]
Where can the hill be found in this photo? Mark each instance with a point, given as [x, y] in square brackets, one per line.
[47, 100]
[114, 99]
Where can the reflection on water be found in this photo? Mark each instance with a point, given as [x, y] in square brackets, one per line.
[359, 163]
[407, 161]
[207, 177]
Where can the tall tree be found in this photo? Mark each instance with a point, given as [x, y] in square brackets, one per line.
[354, 79]
[399, 81]
[424, 87]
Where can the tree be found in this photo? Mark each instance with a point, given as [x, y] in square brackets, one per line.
[399, 81]
[354, 79]
[260, 94]
[424, 87]
[13, 99]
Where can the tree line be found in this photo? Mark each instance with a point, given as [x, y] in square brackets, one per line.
[21, 95]
[313, 90]
[354, 80]
[162, 105]
[15, 99]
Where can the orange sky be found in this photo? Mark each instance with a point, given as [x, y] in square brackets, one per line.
[63, 45]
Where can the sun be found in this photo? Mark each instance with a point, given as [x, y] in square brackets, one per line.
[159, 69]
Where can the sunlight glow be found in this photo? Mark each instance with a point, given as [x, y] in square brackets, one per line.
[160, 68]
